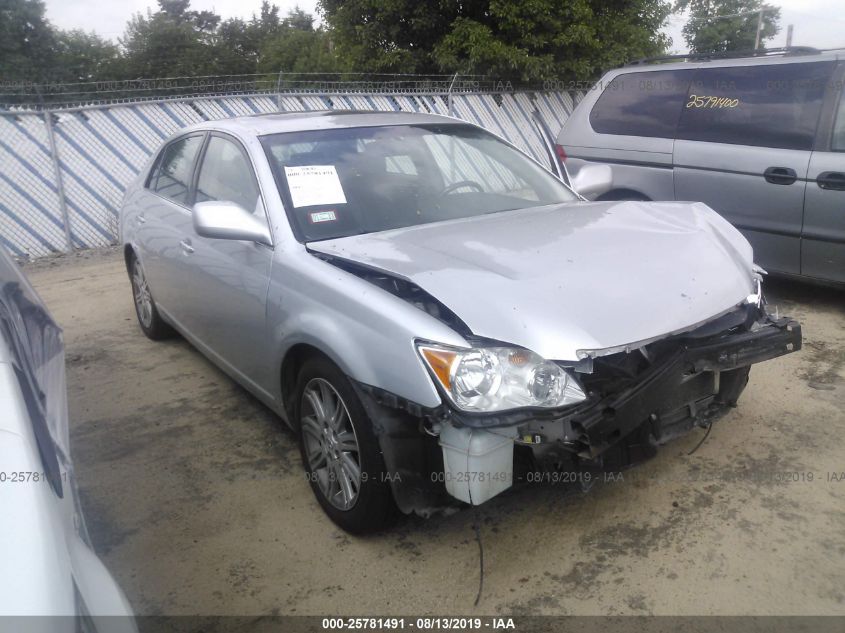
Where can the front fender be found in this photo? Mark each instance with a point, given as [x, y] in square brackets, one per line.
[364, 330]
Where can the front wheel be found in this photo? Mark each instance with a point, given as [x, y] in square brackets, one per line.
[340, 452]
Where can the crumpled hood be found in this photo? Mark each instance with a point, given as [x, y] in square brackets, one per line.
[565, 279]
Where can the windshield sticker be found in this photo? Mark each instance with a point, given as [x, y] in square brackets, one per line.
[315, 217]
[311, 185]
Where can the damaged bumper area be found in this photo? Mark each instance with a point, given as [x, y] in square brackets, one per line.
[637, 404]
[636, 401]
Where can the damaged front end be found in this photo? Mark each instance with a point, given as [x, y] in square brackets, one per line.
[634, 400]
[642, 399]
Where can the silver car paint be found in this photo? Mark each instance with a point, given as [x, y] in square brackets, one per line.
[370, 333]
[292, 298]
[570, 278]
[795, 229]
[654, 183]
[823, 232]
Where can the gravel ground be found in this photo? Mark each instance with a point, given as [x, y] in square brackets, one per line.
[195, 497]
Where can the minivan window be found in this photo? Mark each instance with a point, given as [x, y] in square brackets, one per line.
[172, 178]
[226, 175]
[774, 105]
[642, 103]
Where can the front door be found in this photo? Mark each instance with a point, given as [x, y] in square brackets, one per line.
[229, 279]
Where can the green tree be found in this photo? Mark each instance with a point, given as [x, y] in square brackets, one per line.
[85, 57]
[172, 42]
[27, 41]
[706, 32]
[242, 41]
[298, 51]
[298, 47]
[299, 19]
[524, 41]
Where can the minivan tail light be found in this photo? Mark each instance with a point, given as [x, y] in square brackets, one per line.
[561, 153]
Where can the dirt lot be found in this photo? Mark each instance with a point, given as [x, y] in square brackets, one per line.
[195, 498]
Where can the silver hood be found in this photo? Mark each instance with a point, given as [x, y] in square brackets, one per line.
[565, 279]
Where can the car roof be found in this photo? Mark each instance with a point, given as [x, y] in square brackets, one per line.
[276, 123]
[717, 62]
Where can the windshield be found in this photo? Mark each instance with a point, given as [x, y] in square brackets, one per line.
[350, 181]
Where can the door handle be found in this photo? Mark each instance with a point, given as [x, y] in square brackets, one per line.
[186, 246]
[141, 219]
[780, 175]
[834, 180]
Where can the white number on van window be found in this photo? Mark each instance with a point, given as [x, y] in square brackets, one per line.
[702, 101]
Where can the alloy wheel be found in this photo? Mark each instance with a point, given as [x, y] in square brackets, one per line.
[331, 445]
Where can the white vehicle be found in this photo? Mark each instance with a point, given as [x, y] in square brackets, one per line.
[48, 565]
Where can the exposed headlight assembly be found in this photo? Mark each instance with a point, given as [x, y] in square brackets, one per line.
[488, 379]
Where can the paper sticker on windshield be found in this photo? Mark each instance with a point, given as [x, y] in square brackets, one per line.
[314, 184]
[321, 216]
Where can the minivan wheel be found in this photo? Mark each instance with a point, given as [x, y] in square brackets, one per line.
[340, 452]
[145, 308]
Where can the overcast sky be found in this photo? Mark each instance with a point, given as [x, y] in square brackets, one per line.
[819, 23]
[108, 17]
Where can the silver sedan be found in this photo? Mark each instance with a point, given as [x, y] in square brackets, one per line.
[436, 314]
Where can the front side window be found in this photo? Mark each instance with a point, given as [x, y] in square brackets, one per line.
[642, 103]
[350, 181]
[226, 175]
[775, 105]
[172, 178]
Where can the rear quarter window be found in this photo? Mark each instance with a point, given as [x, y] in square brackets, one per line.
[171, 177]
[775, 105]
[642, 103]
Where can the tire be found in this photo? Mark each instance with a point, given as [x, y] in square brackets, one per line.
[145, 307]
[359, 504]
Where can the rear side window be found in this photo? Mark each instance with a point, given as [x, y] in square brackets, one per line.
[226, 175]
[172, 177]
[642, 104]
[774, 105]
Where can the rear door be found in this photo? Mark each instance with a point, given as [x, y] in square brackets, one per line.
[743, 147]
[165, 219]
[823, 237]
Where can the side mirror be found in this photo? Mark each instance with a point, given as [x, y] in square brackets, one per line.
[229, 221]
[593, 180]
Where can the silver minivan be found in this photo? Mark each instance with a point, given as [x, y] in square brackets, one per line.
[759, 139]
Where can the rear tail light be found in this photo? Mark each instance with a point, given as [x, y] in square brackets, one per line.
[561, 153]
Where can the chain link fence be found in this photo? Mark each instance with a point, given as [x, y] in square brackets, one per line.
[66, 161]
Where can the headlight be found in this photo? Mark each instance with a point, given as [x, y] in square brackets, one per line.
[487, 379]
